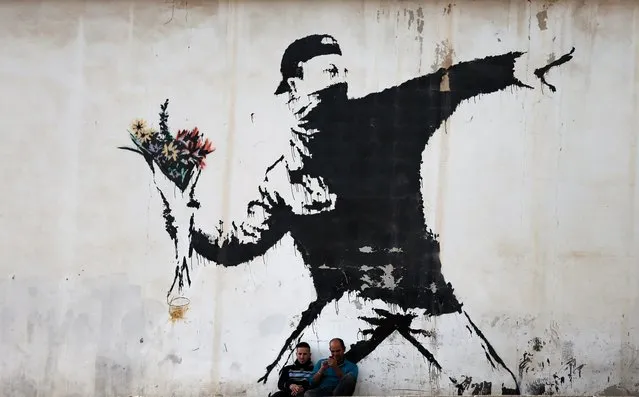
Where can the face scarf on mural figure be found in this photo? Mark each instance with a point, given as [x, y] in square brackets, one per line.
[320, 84]
[322, 78]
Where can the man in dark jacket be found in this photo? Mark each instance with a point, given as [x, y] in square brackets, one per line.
[294, 378]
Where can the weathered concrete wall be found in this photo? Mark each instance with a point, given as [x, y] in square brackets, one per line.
[533, 194]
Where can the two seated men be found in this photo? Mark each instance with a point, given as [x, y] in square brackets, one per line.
[332, 376]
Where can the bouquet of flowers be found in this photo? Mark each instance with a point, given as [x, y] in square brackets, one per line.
[177, 157]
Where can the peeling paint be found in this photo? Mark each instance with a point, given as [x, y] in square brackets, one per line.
[443, 55]
[542, 19]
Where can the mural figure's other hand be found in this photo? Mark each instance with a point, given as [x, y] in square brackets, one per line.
[179, 211]
[179, 208]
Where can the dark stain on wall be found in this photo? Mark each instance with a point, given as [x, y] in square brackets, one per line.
[548, 377]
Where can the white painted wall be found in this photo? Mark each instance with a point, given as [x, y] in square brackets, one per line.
[534, 193]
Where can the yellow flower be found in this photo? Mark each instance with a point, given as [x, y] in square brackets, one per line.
[137, 126]
[145, 135]
[170, 152]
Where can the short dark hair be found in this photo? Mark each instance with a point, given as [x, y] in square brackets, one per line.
[340, 341]
[303, 344]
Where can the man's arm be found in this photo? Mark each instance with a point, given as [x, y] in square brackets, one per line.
[349, 369]
[318, 373]
[282, 383]
[305, 384]
[353, 371]
[338, 371]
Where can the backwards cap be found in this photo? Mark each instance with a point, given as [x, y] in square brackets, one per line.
[301, 50]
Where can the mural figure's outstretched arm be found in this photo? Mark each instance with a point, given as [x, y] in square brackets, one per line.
[426, 101]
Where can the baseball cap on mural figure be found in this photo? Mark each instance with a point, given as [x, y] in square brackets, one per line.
[301, 50]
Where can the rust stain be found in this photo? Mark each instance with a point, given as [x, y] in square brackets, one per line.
[542, 19]
[180, 3]
[420, 21]
[542, 16]
[443, 55]
[185, 4]
[448, 8]
[178, 308]
[444, 85]
[582, 254]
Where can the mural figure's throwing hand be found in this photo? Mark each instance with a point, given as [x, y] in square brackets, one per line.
[541, 72]
[522, 70]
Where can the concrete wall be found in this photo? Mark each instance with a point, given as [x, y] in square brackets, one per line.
[533, 194]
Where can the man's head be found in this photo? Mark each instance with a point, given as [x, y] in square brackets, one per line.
[337, 348]
[310, 66]
[303, 352]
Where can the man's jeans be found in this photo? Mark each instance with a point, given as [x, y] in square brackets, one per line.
[345, 387]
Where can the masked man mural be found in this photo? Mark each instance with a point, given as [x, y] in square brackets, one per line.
[348, 192]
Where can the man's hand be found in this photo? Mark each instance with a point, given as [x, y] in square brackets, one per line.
[331, 362]
[318, 375]
[296, 389]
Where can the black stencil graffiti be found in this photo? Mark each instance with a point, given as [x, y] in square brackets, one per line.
[548, 378]
[352, 201]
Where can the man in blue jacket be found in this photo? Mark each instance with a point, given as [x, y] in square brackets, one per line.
[333, 376]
